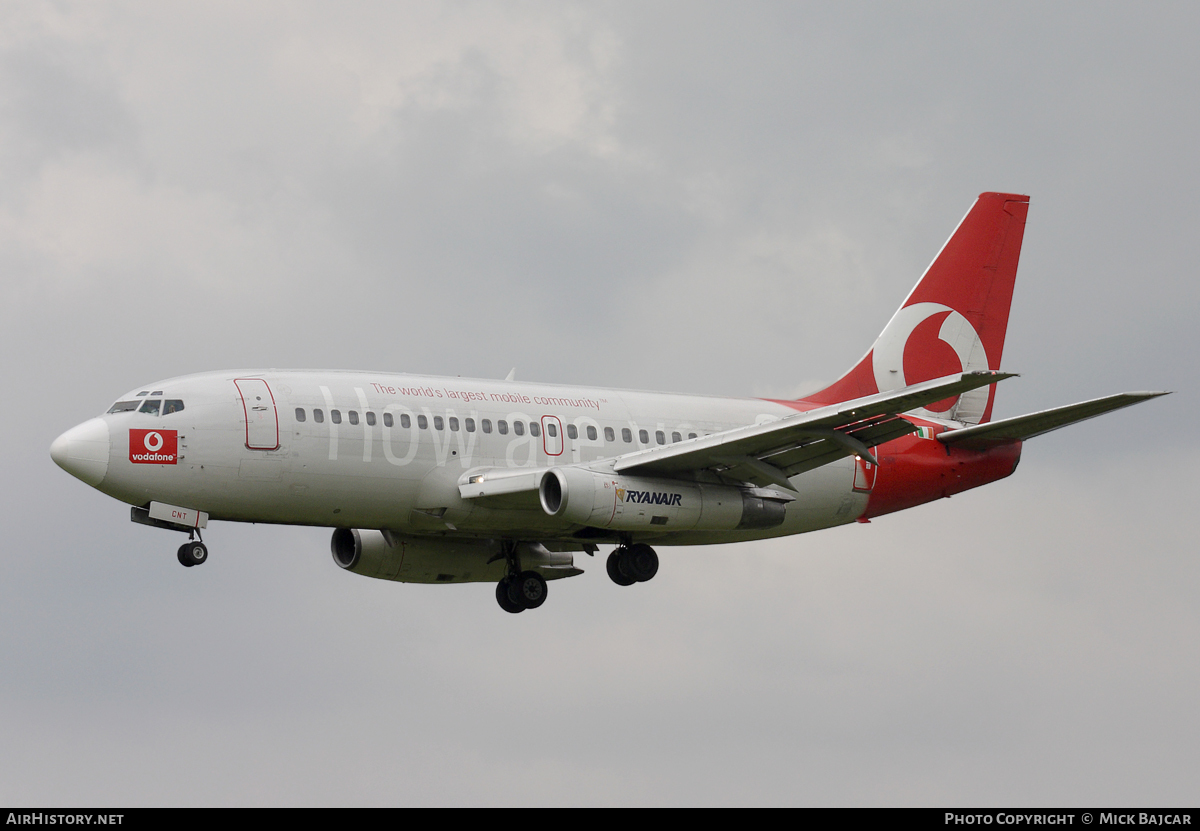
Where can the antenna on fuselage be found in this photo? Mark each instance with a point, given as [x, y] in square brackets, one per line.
[512, 373]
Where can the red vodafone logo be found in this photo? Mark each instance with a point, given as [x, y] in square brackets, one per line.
[927, 356]
[926, 341]
[153, 447]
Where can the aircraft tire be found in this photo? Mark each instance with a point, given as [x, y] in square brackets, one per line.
[504, 599]
[532, 588]
[192, 554]
[640, 562]
[614, 569]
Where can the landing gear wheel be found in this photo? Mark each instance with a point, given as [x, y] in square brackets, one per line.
[192, 554]
[504, 598]
[640, 562]
[531, 586]
[614, 568]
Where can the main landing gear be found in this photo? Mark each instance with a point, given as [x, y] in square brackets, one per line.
[519, 590]
[525, 591]
[629, 564]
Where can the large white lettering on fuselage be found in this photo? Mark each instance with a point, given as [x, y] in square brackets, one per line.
[516, 437]
[399, 415]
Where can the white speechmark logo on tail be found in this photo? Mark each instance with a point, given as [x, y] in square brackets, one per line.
[153, 442]
[956, 332]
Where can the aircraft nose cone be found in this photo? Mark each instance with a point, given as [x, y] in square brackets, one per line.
[82, 451]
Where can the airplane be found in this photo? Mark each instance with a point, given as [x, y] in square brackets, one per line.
[452, 480]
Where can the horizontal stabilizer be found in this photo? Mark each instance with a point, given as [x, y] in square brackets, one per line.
[1024, 427]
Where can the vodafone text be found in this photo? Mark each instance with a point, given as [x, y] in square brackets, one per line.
[159, 447]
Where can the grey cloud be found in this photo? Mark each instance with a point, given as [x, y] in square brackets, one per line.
[697, 198]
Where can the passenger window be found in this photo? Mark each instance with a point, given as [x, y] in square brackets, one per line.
[659, 437]
[609, 435]
[691, 435]
[335, 416]
[172, 405]
[422, 422]
[353, 417]
[371, 419]
[502, 427]
[643, 437]
[387, 420]
[319, 416]
[572, 431]
[626, 436]
[487, 425]
[591, 432]
[438, 423]
[534, 429]
[676, 437]
[300, 414]
[405, 421]
[519, 428]
[454, 424]
[150, 407]
[123, 407]
[469, 423]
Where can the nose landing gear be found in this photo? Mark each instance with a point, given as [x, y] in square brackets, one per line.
[158, 515]
[192, 553]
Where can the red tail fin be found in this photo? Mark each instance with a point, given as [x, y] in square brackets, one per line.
[955, 318]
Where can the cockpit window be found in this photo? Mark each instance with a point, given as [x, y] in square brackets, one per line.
[150, 406]
[124, 406]
[172, 405]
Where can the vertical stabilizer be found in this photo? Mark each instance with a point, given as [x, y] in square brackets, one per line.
[955, 318]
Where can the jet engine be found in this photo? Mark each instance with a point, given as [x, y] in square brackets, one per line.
[638, 503]
[390, 556]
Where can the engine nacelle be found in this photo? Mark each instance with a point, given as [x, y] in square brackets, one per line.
[389, 556]
[639, 503]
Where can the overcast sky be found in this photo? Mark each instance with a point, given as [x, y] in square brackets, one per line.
[719, 198]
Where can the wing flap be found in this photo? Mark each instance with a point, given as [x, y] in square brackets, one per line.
[767, 454]
[1028, 426]
[864, 436]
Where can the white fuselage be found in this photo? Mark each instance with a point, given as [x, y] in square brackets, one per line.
[386, 451]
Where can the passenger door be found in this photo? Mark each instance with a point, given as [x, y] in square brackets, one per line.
[262, 421]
